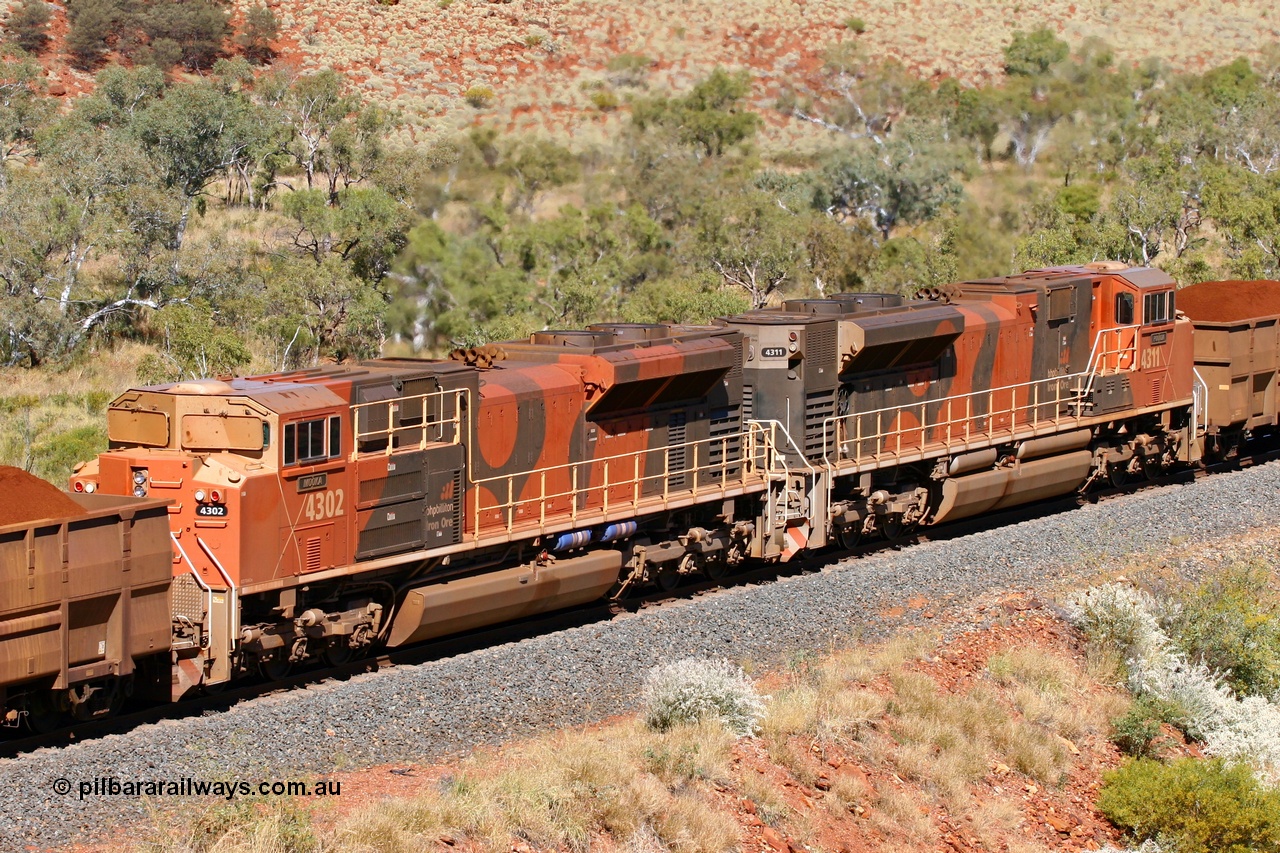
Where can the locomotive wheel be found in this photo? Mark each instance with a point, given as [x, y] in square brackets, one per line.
[667, 579]
[849, 536]
[1151, 468]
[715, 570]
[338, 653]
[274, 668]
[893, 528]
[1117, 474]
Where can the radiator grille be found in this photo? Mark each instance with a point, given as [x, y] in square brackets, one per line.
[818, 406]
[677, 455]
[735, 372]
[821, 341]
[748, 402]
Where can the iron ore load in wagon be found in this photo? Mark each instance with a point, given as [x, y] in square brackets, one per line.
[25, 497]
[1229, 301]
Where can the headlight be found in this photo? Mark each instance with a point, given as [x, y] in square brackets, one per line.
[139, 491]
[140, 477]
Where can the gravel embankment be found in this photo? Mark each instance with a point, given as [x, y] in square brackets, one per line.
[584, 674]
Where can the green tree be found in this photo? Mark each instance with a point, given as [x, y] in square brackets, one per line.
[365, 229]
[711, 118]
[858, 98]
[1033, 54]
[194, 134]
[536, 165]
[22, 108]
[909, 179]
[260, 29]
[194, 344]
[28, 26]
[753, 243]
[92, 23]
[1245, 209]
[312, 107]
[322, 310]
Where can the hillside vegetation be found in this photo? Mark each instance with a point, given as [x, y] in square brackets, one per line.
[228, 211]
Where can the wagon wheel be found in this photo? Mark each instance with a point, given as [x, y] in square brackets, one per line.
[44, 715]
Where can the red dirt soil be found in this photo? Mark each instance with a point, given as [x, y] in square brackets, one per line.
[24, 497]
[1228, 301]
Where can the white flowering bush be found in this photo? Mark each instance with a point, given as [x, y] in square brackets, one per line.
[1240, 730]
[693, 689]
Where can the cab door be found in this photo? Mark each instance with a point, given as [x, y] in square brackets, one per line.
[317, 494]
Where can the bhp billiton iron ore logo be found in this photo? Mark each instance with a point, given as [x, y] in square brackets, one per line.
[446, 494]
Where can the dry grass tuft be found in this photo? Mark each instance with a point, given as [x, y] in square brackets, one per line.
[636, 785]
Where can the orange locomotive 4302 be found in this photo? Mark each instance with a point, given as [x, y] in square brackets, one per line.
[319, 513]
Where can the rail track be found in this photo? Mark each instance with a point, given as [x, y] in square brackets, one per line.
[601, 612]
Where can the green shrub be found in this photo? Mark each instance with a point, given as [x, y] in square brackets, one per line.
[57, 453]
[479, 96]
[1232, 623]
[1193, 806]
[856, 25]
[605, 100]
[1136, 731]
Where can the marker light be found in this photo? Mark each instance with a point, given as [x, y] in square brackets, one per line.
[78, 486]
[91, 487]
[215, 496]
[200, 495]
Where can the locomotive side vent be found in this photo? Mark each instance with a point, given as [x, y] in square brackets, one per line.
[726, 422]
[313, 554]
[457, 504]
[735, 372]
[677, 455]
[818, 406]
[821, 353]
[1157, 390]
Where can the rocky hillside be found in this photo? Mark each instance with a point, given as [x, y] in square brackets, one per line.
[567, 66]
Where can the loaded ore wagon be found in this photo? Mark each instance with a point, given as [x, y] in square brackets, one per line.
[1237, 329]
[84, 599]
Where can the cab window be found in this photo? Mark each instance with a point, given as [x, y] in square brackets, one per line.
[1124, 309]
[312, 441]
[1157, 307]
